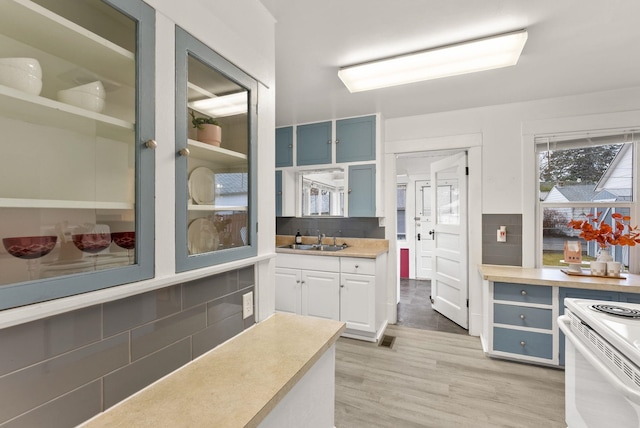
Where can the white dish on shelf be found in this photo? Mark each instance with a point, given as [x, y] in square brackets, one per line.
[24, 74]
[202, 236]
[89, 96]
[202, 186]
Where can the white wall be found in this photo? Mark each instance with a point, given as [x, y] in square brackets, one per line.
[507, 159]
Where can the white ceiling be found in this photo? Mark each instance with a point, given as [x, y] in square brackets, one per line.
[574, 46]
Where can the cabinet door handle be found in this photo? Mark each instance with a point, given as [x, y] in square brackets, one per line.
[522, 316]
[341, 285]
[329, 142]
[298, 281]
[151, 144]
[349, 191]
[290, 146]
[303, 282]
[279, 193]
[523, 343]
[357, 266]
[523, 292]
[184, 152]
[337, 141]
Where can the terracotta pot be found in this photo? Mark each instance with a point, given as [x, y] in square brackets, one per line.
[210, 134]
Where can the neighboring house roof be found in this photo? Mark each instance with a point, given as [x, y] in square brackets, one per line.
[618, 171]
[573, 193]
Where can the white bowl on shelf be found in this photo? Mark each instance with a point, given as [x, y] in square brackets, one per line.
[89, 96]
[30, 65]
[23, 74]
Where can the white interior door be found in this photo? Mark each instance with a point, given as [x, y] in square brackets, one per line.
[424, 225]
[449, 282]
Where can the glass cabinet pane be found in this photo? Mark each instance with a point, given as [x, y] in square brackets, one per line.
[215, 115]
[68, 111]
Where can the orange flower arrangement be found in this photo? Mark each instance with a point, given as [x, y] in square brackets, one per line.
[607, 235]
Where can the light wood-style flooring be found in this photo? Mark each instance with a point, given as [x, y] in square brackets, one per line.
[440, 379]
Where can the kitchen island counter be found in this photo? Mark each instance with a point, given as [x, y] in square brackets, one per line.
[239, 383]
[555, 277]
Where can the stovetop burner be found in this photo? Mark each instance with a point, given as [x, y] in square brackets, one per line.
[617, 310]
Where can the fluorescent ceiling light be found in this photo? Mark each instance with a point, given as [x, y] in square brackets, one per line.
[467, 57]
[227, 105]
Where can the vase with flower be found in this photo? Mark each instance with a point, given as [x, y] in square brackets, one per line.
[593, 229]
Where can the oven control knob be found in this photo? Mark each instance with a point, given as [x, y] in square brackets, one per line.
[522, 316]
[523, 343]
[523, 292]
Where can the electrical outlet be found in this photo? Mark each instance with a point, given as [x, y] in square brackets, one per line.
[247, 305]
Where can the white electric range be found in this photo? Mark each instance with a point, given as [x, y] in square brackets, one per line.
[602, 363]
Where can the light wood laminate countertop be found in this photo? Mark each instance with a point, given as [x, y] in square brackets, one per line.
[236, 384]
[356, 247]
[555, 277]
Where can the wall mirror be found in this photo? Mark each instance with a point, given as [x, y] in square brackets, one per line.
[322, 192]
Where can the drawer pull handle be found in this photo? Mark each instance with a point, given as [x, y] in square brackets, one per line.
[522, 316]
[523, 343]
[523, 292]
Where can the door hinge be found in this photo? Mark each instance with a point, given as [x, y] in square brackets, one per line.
[432, 301]
[256, 227]
[467, 303]
[466, 170]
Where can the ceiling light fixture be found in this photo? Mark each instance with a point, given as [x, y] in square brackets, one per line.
[497, 51]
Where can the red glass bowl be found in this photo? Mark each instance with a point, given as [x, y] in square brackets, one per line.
[126, 240]
[92, 242]
[29, 247]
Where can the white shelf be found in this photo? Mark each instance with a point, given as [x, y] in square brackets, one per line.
[44, 111]
[34, 25]
[216, 208]
[63, 204]
[216, 154]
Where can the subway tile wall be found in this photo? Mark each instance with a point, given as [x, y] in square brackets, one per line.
[353, 227]
[62, 370]
[502, 253]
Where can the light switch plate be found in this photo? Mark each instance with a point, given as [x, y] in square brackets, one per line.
[247, 305]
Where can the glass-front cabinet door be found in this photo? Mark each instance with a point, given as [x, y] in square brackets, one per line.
[76, 176]
[215, 165]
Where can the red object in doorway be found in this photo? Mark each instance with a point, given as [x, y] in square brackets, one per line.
[404, 263]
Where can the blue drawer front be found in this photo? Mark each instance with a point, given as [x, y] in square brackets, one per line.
[522, 316]
[524, 293]
[523, 342]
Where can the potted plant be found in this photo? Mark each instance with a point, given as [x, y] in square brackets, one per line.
[208, 130]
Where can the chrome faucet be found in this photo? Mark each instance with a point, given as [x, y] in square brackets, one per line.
[320, 237]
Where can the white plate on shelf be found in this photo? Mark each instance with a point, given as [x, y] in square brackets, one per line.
[202, 236]
[202, 186]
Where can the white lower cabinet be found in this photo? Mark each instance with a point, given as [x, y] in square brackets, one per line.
[348, 289]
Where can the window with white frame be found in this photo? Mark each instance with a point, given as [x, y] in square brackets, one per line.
[401, 211]
[580, 175]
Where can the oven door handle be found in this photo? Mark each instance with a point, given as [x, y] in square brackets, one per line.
[564, 322]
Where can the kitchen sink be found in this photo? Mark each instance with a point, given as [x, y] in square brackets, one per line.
[314, 247]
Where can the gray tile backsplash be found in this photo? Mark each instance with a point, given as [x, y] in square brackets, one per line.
[66, 411]
[39, 340]
[502, 253]
[351, 227]
[128, 313]
[62, 370]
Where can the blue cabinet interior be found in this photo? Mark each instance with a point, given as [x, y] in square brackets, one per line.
[313, 144]
[362, 191]
[356, 139]
[284, 146]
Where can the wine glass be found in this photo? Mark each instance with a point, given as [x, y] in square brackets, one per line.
[126, 240]
[92, 243]
[30, 248]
